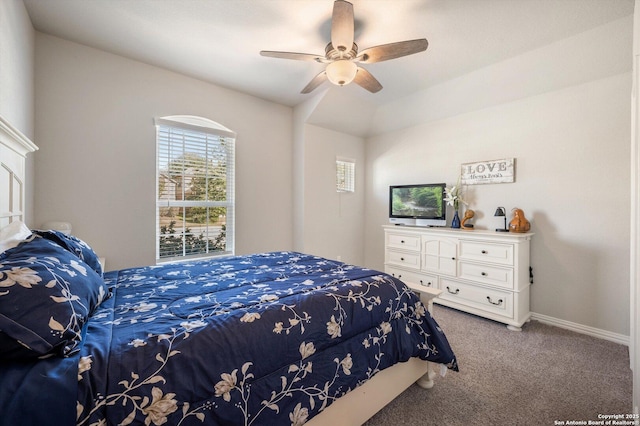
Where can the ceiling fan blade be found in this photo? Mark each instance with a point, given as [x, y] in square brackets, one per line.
[367, 81]
[342, 26]
[385, 52]
[292, 55]
[315, 82]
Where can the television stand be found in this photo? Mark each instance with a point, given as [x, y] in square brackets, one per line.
[481, 272]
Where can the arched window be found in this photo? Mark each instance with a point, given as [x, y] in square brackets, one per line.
[195, 188]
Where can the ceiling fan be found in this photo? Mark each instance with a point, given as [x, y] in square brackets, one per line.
[342, 56]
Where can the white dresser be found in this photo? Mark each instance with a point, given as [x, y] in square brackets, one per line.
[485, 273]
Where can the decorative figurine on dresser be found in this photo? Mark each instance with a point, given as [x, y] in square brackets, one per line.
[519, 223]
[468, 215]
[485, 273]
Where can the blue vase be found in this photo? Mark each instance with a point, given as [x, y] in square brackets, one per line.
[455, 223]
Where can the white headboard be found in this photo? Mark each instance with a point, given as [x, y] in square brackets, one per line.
[14, 146]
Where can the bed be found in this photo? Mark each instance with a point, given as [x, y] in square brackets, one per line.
[262, 339]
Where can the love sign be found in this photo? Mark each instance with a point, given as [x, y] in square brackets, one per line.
[494, 171]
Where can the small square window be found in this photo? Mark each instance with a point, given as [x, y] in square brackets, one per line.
[345, 175]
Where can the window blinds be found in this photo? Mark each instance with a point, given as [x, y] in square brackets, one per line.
[195, 192]
[345, 175]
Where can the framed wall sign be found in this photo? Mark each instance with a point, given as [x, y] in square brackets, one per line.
[493, 171]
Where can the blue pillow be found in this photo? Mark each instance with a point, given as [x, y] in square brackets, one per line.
[47, 294]
[76, 246]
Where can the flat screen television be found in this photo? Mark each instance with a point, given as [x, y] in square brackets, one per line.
[418, 205]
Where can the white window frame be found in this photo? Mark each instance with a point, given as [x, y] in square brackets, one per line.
[208, 130]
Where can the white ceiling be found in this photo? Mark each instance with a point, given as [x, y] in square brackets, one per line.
[219, 40]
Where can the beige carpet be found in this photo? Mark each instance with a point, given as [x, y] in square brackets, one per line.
[534, 377]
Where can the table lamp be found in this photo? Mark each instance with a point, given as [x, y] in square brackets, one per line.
[501, 212]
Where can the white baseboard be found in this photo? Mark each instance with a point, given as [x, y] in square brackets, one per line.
[583, 329]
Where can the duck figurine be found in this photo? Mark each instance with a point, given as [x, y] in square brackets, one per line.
[519, 223]
[467, 216]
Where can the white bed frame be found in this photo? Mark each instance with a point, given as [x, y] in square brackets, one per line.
[351, 410]
[14, 147]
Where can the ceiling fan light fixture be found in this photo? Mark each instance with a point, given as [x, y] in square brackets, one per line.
[341, 72]
[342, 57]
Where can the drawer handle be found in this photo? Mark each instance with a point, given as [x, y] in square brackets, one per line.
[401, 241]
[493, 303]
[484, 252]
[402, 258]
[484, 274]
[428, 283]
[453, 292]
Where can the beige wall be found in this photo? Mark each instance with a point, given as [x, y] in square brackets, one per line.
[17, 44]
[571, 144]
[333, 222]
[572, 181]
[96, 164]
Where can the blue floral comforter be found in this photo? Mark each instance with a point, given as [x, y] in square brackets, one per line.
[264, 339]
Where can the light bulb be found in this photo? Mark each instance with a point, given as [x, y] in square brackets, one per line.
[341, 72]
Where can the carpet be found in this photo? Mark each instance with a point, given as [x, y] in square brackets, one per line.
[543, 375]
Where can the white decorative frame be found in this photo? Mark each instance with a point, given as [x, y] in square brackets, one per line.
[14, 146]
[350, 410]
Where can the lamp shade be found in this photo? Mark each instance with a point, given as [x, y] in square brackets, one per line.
[341, 72]
[501, 212]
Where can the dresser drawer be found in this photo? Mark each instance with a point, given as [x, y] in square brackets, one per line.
[403, 241]
[413, 277]
[487, 252]
[487, 274]
[404, 259]
[489, 300]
